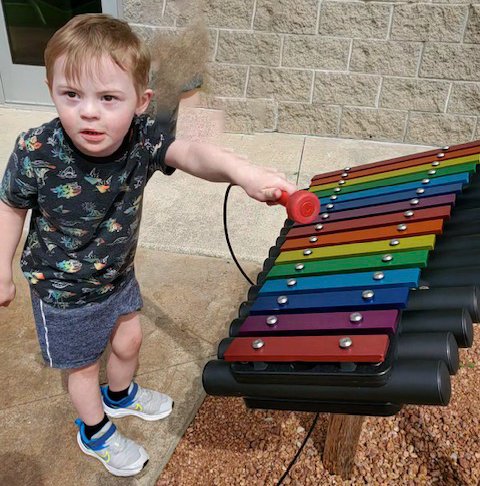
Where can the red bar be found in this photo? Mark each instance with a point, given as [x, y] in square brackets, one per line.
[371, 222]
[366, 349]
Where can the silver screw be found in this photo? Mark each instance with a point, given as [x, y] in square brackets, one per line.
[368, 294]
[345, 342]
[258, 343]
[282, 299]
[387, 258]
[356, 317]
[272, 320]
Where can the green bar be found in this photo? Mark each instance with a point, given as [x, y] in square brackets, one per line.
[425, 242]
[453, 169]
[401, 259]
[399, 172]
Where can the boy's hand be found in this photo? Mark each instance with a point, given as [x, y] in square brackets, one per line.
[7, 292]
[265, 184]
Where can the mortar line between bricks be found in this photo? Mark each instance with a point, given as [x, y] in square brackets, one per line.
[407, 121]
[380, 88]
[465, 24]
[312, 87]
[450, 88]
[282, 44]
[254, 12]
[215, 50]
[349, 57]
[247, 80]
[390, 22]
[420, 60]
[164, 7]
[475, 128]
[317, 23]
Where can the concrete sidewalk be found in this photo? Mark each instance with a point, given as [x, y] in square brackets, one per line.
[191, 290]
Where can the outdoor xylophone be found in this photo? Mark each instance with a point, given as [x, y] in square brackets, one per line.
[363, 310]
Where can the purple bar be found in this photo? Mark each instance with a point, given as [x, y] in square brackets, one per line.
[426, 202]
[384, 321]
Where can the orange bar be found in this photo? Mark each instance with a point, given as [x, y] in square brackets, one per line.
[433, 226]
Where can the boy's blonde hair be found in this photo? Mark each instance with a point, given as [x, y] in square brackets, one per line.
[89, 37]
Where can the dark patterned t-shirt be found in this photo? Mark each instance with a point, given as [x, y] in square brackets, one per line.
[85, 210]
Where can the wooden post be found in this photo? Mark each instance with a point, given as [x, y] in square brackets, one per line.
[341, 443]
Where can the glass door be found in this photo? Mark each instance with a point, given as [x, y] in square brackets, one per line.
[25, 28]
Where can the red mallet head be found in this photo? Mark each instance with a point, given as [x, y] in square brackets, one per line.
[302, 206]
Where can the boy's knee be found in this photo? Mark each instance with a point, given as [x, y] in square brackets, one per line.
[128, 345]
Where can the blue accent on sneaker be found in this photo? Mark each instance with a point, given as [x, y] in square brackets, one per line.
[94, 444]
[124, 402]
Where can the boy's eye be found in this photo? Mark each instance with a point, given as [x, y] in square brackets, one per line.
[109, 97]
[71, 94]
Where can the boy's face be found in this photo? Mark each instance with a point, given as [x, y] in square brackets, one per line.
[97, 109]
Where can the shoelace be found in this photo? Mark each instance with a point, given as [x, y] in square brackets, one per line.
[117, 443]
[144, 397]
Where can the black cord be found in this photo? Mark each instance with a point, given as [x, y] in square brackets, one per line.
[227, 192]
[292, 462]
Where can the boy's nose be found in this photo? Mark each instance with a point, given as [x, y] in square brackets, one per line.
[89, 110]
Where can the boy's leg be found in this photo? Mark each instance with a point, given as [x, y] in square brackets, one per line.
[83, 387]
[126, 340]
[134, 400]
[97, 436]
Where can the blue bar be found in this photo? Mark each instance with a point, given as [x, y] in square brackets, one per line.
[405, 277]
[463, 178]
[399, 196]
[393, 298]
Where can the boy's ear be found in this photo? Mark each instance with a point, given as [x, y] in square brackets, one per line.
[144, 101]
[48, 85]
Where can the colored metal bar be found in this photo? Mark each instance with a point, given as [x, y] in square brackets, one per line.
[364, 349]
[462, 177]
[352, 249]
[398, 196]
[406, 277]
[381, 321]
[431, 156]
[402, 230]
[404, 205]
[392, 298]
[361, 185]
[400, 259]
[410, 216]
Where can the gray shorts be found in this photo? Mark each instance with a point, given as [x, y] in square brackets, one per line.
[76, 337]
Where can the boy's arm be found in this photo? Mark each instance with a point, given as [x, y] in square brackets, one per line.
[11, 224]
[218, 164]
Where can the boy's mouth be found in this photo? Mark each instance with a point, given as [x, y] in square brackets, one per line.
[92, 135]
[91, 132]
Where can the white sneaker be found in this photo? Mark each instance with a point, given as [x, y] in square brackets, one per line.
[140, 402]
[121, 456]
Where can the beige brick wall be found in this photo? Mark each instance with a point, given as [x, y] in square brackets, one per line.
[390, 70]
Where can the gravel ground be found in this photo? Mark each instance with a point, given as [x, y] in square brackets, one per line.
[228, 444]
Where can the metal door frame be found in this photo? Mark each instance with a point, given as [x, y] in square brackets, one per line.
[16, 79]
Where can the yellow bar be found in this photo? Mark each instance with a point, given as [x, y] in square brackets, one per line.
[382, 246]
[398, 172]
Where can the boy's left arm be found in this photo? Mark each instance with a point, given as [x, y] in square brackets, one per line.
[217, 164]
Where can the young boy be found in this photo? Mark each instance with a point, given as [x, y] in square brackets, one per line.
[83, 175]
